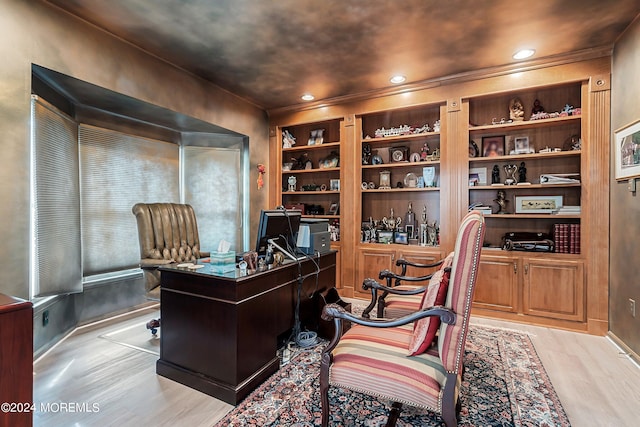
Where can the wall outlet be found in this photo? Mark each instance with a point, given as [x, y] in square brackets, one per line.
[45, 318]
[632, 307]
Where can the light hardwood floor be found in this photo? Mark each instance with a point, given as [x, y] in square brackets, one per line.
[597, 384]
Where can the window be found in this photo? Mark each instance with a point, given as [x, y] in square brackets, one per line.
[118, 170]
[55, 220]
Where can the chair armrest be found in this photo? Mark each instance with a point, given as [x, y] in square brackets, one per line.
[338, 314]
[151, 263]
[404, 263]
[390, 275]
[372, 284]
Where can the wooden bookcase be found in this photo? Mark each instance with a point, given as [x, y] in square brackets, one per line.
[566, 290]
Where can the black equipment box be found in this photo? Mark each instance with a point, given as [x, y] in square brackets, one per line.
[527, 241]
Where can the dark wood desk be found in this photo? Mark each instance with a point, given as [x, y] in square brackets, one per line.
[220, 332]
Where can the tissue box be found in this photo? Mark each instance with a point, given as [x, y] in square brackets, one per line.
[223, 262]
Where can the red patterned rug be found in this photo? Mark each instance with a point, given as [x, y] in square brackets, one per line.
[504, 384]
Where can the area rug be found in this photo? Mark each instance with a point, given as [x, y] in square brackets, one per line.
[504, 384]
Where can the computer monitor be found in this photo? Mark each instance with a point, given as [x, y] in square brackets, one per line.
[280, 227]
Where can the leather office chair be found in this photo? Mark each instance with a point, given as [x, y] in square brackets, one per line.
[168, 233]
[387, 359]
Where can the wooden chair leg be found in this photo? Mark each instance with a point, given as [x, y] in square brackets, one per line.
[324, 390]
[394, 413]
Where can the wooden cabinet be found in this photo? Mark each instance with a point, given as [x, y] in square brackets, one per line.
[16, 360]
[534, 285]
[497, 284]
[373, 258]
[553, 288]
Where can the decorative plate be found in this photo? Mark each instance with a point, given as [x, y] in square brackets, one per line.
[411, 180]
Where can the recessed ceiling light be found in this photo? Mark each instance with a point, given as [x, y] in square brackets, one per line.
[307, 97]
[397, 79]
[524, 54]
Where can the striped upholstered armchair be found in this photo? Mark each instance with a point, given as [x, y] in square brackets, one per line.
[395, 298]
[394, 360]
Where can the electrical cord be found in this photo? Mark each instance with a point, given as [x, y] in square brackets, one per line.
[303, 339]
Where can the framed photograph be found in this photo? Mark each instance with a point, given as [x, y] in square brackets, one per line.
[401, 237]
[492, 146]
[334, 185]
[521, 145]
[385, 236]
[628, 151]
[537, 204]
[478, 173]
[334, 208]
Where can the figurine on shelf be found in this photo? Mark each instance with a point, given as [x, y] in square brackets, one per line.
[288, 140]
[511, 171]
[436, 126]
[424, 152]
[366, 154]
[495, 175]
[522, 173]
[516, 110]
[501, 200]
[537, 107]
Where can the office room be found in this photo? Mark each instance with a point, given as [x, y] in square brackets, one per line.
[110, 105]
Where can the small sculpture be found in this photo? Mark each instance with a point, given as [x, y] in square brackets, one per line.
[288, 140]
[511, 171]
[516, 110]
[366, 154]
[495, 175]
[424, 152]
[501, 200]
[522, 173]
[537, 107]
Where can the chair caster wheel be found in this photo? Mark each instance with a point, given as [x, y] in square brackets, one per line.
[153, 326]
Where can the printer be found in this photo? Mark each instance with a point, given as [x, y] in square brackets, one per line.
[313, 236]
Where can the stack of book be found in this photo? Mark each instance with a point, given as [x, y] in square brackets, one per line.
[567, 210]
[484, 210]
[566, 238]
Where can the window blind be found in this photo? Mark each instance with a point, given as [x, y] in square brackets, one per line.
[118, 170]
[56, 249]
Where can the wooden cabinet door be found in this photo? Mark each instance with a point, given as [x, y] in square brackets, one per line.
[418, 256]
[554, 288]
[370, 262]
[497, 283]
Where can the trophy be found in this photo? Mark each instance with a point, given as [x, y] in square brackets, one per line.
[511, 171]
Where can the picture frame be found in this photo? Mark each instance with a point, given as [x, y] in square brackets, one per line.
[480, 174]
[627, 140]
[401, 238]
[334, 208]
[537, 204]
[521, 145]
[493, 146]
[334, 184]
[385, 236]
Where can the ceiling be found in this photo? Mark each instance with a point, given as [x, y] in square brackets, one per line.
[272, 52]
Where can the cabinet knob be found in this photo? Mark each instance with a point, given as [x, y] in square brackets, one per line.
[515, 268]
[526, 269]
